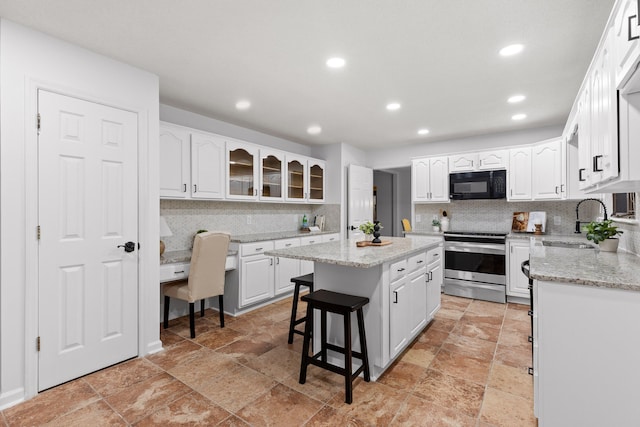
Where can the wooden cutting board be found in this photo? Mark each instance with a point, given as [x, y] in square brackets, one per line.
[363, 244]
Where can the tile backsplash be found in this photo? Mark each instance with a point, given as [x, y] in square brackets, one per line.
[185, 217]
[630, 238]
[497, 215]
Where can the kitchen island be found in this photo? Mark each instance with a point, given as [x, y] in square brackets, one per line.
[586, 336]
[402, 281]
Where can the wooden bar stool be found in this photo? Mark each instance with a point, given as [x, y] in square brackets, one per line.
[334, 302]
[306, 280]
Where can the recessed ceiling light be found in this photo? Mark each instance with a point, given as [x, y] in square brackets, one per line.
[336, 62]
[393, 106]
[243, 104]
[512, 49]
[423, 131]
[516, 98]
[314, 130]
[520, 116]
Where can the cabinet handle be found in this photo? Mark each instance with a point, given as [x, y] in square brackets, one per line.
[556, 189]
[430, 275]
[278, 260]
[530, 371]
[259, 249]
[255, 192]
[530, 313]
[270, 261]
[400, 269]
[195, 188]
[595, 163]
[530, 338]
[427, 277]
[395, 294]
[511, 191]
[580, 178]
[420, 261]
[184, 188]
[629, 37]
[178, 272]
[288, 244]
[562, 188]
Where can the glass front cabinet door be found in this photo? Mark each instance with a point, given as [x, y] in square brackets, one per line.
[242, 171]
[296, 179]
[272, 178]
[316, 180]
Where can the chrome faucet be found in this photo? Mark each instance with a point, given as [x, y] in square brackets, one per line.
[578, 222]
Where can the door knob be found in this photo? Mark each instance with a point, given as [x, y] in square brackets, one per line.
[353, 228]
[128, 247]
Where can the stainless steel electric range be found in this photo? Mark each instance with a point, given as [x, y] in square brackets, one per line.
[475, 265]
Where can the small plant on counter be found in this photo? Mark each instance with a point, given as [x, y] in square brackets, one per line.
[598, 231]
[201, 231]
[435, 222]
[368, 227]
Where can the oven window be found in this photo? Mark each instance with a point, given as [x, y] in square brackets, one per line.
[475, 262]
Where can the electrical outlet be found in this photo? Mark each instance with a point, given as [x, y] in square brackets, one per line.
[418, 218]
[248, 219]
[557, 220]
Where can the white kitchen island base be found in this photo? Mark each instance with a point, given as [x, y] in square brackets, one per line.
[403, 286]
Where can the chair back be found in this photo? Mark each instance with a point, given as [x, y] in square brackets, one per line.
[406, 225]
[207, 272]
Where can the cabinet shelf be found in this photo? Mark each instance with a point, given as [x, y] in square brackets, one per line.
[271, 169]
[233, 164]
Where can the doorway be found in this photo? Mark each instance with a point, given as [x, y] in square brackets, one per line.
[393, 198]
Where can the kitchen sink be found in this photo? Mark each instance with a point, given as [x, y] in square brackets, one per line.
[570, 245]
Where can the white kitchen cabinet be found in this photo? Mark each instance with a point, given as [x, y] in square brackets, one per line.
[625, 39]
[483, 160]
[418, 294]
[316, 180]
[271, 175]
[517, 282]
[174, 161]
[243, 170]
[520, 186]
[549, 173]
[334, 237]
[286, 268]
[399, 307]
[257, 279]
[584, 137]
[435, 279]
[430, 179]
[207, 174]
[586, 353]
[305, 179]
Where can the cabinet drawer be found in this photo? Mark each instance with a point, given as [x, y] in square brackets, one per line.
[331, 237]
[416, 262]
[310, 240]
[287, 243]
[257, 248]
[170, 272]
[397, 270]
[434, 255]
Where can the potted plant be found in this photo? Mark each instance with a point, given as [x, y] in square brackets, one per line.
[604, 234]
[435, 223]
[194, 236]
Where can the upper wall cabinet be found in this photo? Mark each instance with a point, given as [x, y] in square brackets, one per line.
[174, 161]
[430, 179]
[271, 175]
[242, 171]
[316, 180]
[484, 160]
[191, 164]
[626, 33]
[304, 179]
[520, 187]
[549, 173]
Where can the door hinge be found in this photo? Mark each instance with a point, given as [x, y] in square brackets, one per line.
[38, 122]
[38, 344]
[38, 232]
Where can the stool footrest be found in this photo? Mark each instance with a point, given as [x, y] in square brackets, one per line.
[340, 350]
[314, 360]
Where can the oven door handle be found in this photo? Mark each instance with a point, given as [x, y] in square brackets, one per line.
[475, 248]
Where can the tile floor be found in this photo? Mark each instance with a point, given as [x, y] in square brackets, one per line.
[468, 368]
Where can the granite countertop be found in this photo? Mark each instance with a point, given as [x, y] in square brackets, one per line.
[276, 235]
[172, 257]
[424, 233]
[346, 253]
[589, 267]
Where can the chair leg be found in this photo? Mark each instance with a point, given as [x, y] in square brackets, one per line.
[363, 345]
[202, 307]
[221, 306]
[165, 323]
[294, 309]
[305, 346]
[348, 381]
[192, 320]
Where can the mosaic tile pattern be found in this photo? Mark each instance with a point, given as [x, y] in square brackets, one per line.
[630, 239]
[497, 215]
[185, 217]
[467, 368]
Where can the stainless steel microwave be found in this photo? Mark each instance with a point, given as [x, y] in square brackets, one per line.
[478, 185]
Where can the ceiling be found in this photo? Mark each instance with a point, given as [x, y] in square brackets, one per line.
[438, 59]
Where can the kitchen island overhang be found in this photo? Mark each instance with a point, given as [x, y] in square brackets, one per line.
[399, 281]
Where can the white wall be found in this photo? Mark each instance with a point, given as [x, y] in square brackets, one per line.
[29, 60]
[401, 156]
[186, 118]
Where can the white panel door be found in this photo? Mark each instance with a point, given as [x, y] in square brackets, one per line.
[257, 279]
[520, 173]
[174, 161]
[360, 195]
[439, 179]
[420, 180]
[547, 170]
[207, 167]
[418, 291]
[88, 209]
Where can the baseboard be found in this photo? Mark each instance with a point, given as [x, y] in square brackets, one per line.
[11, 398]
